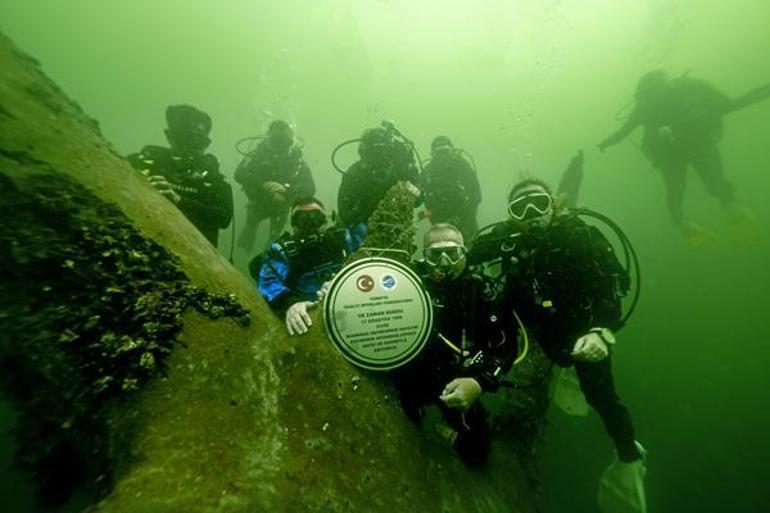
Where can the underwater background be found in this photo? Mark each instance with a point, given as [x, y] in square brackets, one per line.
[522, 85]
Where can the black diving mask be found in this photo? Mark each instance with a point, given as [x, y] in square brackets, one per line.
[308, 221]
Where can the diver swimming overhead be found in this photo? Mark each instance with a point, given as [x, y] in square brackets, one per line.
[682, 122]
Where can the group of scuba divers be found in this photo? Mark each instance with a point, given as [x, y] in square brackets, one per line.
[543, 273]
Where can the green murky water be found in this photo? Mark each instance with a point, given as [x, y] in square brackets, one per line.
[522, 85]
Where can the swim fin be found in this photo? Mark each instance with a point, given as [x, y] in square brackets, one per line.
[621, 488]
[567, 394]
[696, 236]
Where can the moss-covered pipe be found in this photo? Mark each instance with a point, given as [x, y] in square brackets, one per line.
[242, 418]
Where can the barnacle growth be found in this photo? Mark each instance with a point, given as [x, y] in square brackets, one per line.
[90, 311]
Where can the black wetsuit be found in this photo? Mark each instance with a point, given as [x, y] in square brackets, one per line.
[452, 193]
[681, 128]
[269, 164]
[206, 198]
[563, 281]
[466, 315]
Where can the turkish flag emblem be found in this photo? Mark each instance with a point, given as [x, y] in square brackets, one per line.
[365, 283]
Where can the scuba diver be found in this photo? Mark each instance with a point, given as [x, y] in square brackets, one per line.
[562, 276]
[682, 122]
[469, 352]
[386, 158]
[272, 176]
[451, 187]
[186, 174]
[291, 274]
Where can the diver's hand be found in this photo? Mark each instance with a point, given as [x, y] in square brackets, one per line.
[297, 319]
[461, 393]
[590, 348]
[602, 146]
[412, 188]
[273, 188]
[161, 185]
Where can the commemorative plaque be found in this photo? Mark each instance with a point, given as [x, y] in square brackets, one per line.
[377, 313]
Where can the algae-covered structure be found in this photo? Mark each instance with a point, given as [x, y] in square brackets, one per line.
[147, 371]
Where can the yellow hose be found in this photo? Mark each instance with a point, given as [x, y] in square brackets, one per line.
[520, 358]
[525, 350]
[450, 344]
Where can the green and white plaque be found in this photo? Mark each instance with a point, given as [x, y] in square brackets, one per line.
[377, 313]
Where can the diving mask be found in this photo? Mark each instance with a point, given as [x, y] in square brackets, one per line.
[444, 255]
[530, 206]
[308, 220]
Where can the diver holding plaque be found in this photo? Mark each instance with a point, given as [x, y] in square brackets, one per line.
[469, 351]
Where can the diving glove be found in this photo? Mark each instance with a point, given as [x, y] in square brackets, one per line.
[298, 321]
[460, 393]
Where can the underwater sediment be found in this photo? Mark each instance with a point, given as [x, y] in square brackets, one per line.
[147, 371]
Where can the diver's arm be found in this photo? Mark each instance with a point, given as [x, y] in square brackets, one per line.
[153, 160]
[251, 174]
[221, 206]
[471, 184]
[273, 274]
[602, 277]
[213, 201]
[629, 126]
[412, 175]
[752, 97]
[214, 205]
[354, 236]
[347, 202]
[303, 184]
[137, 161]
[493, 335]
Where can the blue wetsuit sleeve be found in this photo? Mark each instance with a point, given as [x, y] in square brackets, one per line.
[273, 274]
[354, 236]
[272, 278]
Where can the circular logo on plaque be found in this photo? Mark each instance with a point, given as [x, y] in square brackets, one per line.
[389, 282]
[365, 283]
[378, 328]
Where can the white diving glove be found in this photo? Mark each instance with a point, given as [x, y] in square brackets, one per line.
[590, 348]
[461, 393]
[297, 319]
[412, 188]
